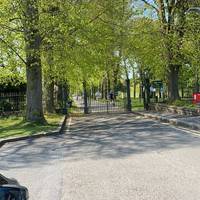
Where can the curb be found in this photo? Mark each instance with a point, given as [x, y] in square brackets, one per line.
[175, 122]
[58, 131]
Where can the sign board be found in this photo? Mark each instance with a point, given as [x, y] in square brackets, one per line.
[157, 84]
[196, 98]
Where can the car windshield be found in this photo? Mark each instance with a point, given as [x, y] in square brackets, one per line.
[8, 193]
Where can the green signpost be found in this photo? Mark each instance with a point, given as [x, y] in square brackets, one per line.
[158, 84]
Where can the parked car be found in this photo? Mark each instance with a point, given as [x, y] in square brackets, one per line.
[10, 189]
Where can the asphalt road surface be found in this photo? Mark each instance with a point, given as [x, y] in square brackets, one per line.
[108, 157]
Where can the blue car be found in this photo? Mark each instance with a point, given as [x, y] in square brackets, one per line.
[10, 189]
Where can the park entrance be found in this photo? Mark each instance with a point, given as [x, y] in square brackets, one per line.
[98, 106]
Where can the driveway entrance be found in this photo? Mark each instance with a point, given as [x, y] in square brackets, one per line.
[100, 106]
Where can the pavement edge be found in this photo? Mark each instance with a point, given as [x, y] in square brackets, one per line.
[175, 122]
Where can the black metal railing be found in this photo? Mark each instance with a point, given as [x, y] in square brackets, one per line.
[99, 106]
[11, 103]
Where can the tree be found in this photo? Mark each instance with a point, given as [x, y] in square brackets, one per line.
[171, 15]
[191, 50]
[22, 19]
[34, 110]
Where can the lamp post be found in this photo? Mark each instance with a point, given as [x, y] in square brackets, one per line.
[146, 89]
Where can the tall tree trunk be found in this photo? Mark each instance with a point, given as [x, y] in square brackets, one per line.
[141, 92]
[86, 109]
[65, 97]
[197, 83]
[134, 84]
[108, 85]
[128, 93]
[49, 97]
[60, 96]
[115, 80]
[102, 89]
[49, 80]
[134, 89]
[93, 91]
[182, 92]
[105, 88]
[146, 93]
[34, 111]
[173, 76]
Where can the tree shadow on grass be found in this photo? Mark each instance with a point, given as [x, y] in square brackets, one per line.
[96, 137]
[24, 128]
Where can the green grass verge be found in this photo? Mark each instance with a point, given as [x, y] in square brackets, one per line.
[137, 104]
[16, 126]
[185, 104]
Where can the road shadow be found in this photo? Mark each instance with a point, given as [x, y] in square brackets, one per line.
[97, 137]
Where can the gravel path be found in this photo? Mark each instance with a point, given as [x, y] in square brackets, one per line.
[108, 157]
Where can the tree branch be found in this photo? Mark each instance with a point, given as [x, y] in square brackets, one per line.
[92, 20]
[151, 5]
[10, 47]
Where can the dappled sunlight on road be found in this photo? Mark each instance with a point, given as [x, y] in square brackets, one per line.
[96, 137]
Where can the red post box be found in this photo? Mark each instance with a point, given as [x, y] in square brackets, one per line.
[196, 98]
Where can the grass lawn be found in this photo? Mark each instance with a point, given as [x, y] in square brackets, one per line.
[16, 126]
[137, 104]
[185, 104]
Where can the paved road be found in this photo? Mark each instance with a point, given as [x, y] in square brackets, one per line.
[113, 157]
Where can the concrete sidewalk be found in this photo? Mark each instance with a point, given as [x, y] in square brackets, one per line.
[191, 122]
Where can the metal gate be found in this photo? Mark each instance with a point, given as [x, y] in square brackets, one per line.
[98, 106]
